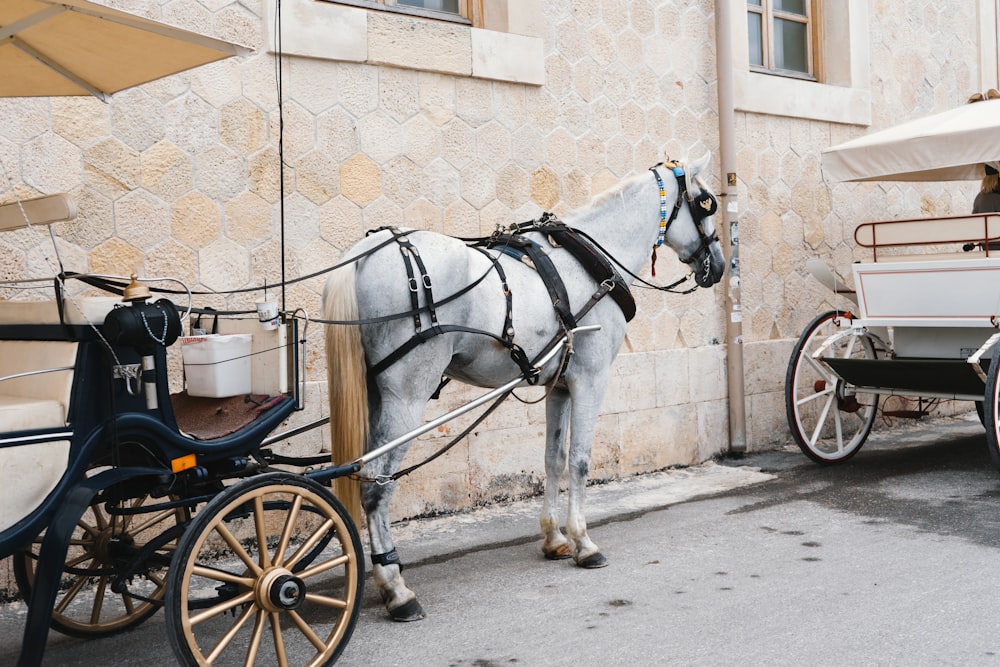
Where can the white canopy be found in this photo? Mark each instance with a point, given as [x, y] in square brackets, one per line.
[948, 146]
[72, 47]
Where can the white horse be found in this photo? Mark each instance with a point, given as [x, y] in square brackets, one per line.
[371, 408]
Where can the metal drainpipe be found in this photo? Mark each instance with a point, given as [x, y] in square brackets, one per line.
[730, 211]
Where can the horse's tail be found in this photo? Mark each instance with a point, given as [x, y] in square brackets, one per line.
[346, 383]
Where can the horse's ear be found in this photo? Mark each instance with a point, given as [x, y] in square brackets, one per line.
[698, 166]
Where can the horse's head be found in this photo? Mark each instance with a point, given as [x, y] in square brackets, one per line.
[691, 233]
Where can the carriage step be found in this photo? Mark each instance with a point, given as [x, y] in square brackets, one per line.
[932, 376]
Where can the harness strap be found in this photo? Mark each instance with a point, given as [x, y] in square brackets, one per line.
[596, 264]
[546, 271]
[506, 337]
[518, 354]
[508, 321]
[408, 251]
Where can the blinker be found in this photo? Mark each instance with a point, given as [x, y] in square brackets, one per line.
[703, 206]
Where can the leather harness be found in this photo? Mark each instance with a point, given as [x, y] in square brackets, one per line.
[517, 245]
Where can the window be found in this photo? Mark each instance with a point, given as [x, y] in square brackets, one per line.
[502, 43]
[449, 10]
[837, 45]
[780, 36]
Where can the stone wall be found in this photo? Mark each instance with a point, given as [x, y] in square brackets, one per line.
[180, 178]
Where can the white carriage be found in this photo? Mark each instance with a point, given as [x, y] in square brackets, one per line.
[925, 317]
[924, 324]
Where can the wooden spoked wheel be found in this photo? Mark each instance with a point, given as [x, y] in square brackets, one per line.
[829, 419]
[114, 577]
[270, 572]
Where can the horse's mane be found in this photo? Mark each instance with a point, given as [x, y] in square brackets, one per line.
[604, 198]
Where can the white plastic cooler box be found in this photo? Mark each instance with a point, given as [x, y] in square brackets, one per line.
[217, 365]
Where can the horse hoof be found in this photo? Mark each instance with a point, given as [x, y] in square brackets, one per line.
[562, 552]
[407, 612]
[593, 561]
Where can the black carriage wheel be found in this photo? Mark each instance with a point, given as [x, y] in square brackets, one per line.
[992, 413]
[104, 590]
[249, 583]
[829, 419]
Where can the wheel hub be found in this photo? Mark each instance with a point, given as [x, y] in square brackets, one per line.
[279, 590]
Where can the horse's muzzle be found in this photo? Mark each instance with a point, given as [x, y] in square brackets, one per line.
[709, 265]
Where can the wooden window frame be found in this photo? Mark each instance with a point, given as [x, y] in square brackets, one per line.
[812, 22]
[470, 11]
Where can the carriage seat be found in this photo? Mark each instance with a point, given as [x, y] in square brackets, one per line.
[41, 400]
[35, 401]
[28, 403]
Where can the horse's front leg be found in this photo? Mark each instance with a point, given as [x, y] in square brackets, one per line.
[555, 546]
[586, 406]
[400, 601]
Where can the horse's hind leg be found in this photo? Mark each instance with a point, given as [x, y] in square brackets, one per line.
[400, 601]
[396, 402]
[555, 546]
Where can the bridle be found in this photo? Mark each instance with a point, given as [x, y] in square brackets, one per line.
[700, 208]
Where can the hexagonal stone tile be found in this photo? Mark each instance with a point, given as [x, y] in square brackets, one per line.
[458, 145]
[115, 257]
[545, 188]
[94, 222]
[441, 184]
[192, 123]
[51, 163]
[422, 140]
[165, 170]
[249, 219]
[340, 222]
[223, 265]
[195, 220]
[242, 126]
[141, 219]
[379, 136]
[399, 93]
[513, 186]
[115, 162]
[301, 222]
[220, 173]
[24, 118]
[493, 143]
[360, 179]
[401, 181]
[264, 175]
[171, 259]
[82, 120]
[137, 119]
[317, 177]
[478, 184]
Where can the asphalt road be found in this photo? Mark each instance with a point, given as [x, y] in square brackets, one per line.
[768, 560]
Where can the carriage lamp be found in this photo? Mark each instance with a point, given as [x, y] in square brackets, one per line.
[142, 324]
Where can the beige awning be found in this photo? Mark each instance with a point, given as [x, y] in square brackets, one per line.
[949, 146]
[73, 47]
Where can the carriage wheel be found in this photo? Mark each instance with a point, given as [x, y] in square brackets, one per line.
[991, 413]
[100, 560]
[269, 571]
[829, 418]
